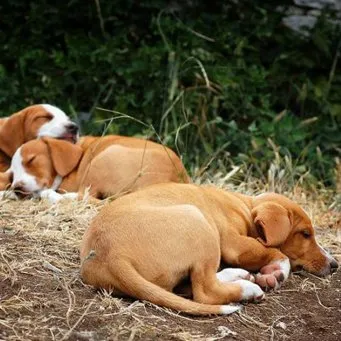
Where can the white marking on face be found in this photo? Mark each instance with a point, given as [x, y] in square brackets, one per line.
[20, 176]
[328, 256]
[57, 127]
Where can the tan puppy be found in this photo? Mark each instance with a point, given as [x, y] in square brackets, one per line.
[145, 243]
[109, 165]
[27, 124]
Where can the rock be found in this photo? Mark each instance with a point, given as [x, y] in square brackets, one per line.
[281, 325]
[303, 16]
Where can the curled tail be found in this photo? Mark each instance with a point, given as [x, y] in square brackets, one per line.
[133, 284]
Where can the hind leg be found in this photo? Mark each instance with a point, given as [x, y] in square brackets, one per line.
[208, 289]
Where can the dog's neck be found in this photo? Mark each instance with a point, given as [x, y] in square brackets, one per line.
[222, 200]
[69, 182]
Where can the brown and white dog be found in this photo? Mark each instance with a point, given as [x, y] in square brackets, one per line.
[109, 166]
[32, 122]
[145, 243]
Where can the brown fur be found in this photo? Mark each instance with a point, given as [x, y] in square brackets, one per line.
[145, 243]
[17, 129]
[109, 165]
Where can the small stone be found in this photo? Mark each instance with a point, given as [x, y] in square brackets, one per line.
[281, 325]
[225, 331]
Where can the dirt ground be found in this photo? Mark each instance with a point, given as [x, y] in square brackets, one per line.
[43, 298]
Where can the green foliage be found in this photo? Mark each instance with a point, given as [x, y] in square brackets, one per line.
[220, 82]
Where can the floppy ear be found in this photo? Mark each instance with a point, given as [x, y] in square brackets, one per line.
[65, 155]
[12, 133]
[273, 223]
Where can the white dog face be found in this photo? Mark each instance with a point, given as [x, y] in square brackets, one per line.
[59, 126]
[42, 164]
[26, 181]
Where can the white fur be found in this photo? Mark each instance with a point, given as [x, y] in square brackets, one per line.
[28, 181]
[284, 266]
[53, 197]
[21, 176]
[57, 126]
[229, 309]
[232, 274]
[250, 291]
[56, 183]
[70, 196]
[328, 256]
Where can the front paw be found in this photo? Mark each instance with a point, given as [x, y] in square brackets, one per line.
[250, 291]
[70, 196]
[273, 275]
[234, 274]
[51, 195]
[269, 281]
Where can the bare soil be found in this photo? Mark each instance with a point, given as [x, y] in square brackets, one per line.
[43, 298]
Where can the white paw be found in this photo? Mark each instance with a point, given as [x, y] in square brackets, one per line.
[51, 195]
[231, 275]
[70, 196]
[227, 309]
[285, 267]
[250, 291]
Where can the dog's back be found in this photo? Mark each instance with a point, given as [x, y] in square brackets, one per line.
[119, 164]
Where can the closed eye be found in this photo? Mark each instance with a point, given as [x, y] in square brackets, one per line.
[46, 117]
[30, 159]
[306, 234]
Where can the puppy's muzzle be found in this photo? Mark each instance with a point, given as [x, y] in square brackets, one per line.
[71, 133]
[330, 268]
[72, 128]
[19, 189]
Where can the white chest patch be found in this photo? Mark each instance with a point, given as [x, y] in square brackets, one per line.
[57, 126]
[20, 176]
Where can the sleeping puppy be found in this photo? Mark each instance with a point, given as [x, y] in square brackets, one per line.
[27, 124]
[145, 243]
[109, 166]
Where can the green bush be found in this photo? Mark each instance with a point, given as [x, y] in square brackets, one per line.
[222, 81]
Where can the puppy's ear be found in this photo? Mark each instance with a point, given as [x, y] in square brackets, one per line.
[12, 133]
[273, 223]
[65, 155]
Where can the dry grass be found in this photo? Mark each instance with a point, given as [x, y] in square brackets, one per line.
[43, 298]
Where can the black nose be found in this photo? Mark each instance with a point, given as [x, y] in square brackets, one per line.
[333, 265]
[72, 128]
[17, 185]
[18, 189]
